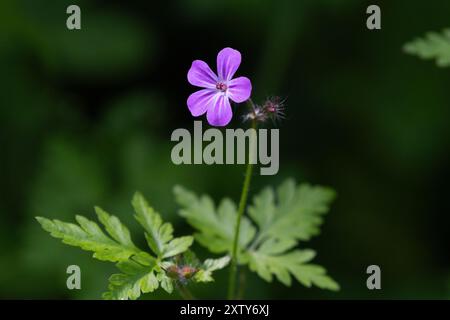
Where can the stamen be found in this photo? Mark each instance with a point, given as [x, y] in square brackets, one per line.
[221, 86]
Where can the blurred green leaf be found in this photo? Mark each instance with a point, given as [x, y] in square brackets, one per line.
[215, 225]
[271, 259]
[210, 265]
[298, 213]
[296, 216]
[433, 46]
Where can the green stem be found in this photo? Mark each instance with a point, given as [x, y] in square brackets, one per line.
[184, 292]
[242, 282]
[242, 204]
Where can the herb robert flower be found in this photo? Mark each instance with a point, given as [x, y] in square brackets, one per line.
[214, 99]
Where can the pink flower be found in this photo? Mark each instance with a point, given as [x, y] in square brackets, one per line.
[214, 99]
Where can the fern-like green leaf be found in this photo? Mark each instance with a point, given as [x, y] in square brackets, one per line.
[115, 228]
[166, 282]
[215, 225]
[141, 272]
[138, 276]
[284, 217]
[88, 236]
[432, 46]
[271, 259]
[159, 235]
[297, 213]
[210, 265]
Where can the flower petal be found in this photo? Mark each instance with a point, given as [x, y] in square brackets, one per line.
[239, 89]
[228, 61]
[201, 75]
[200, 101]
[220, 113]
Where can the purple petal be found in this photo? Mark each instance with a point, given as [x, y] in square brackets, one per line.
[200, 101]
[239, 89]
[219, 114]
[228, 61]
[201, 75]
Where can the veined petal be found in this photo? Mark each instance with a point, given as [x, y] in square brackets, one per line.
[239, 89]
[228, 61]
[201, 75]
[220, 113]
[200, 101]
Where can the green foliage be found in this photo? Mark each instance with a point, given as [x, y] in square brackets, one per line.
[210, 265]
[135, 278]
[297, 215]
[285, 217]
[432, 46]
[141, 272]
[88, 236]
[215, 226]
[271, 259]
[159, 235]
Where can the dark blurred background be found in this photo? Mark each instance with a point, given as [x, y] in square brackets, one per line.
[86, 118]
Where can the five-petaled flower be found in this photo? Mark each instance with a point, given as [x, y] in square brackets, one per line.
[218, 89]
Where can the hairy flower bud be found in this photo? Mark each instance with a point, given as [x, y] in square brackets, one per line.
[273, 108]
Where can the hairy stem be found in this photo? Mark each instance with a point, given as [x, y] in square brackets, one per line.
[242, 205]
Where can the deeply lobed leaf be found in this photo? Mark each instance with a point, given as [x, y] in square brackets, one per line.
[140, 271]
[136, 278]
[88, 236]
[210, 265]
[215, 225]
[270, 259]
[159, 235]
[295, 213]
[284, 217]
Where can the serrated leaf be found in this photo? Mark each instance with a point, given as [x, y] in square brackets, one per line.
[284, 217]
[432, 46]
[115, 228]
[296, 214]
[140, 271]
[145, 259]
[134, 280]
[177, 246]
[215, 225]
[311, 274]
[88, 236]
[269, 261]
[291, 214]
[209, 266]
[159, 235]
[166, 282]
